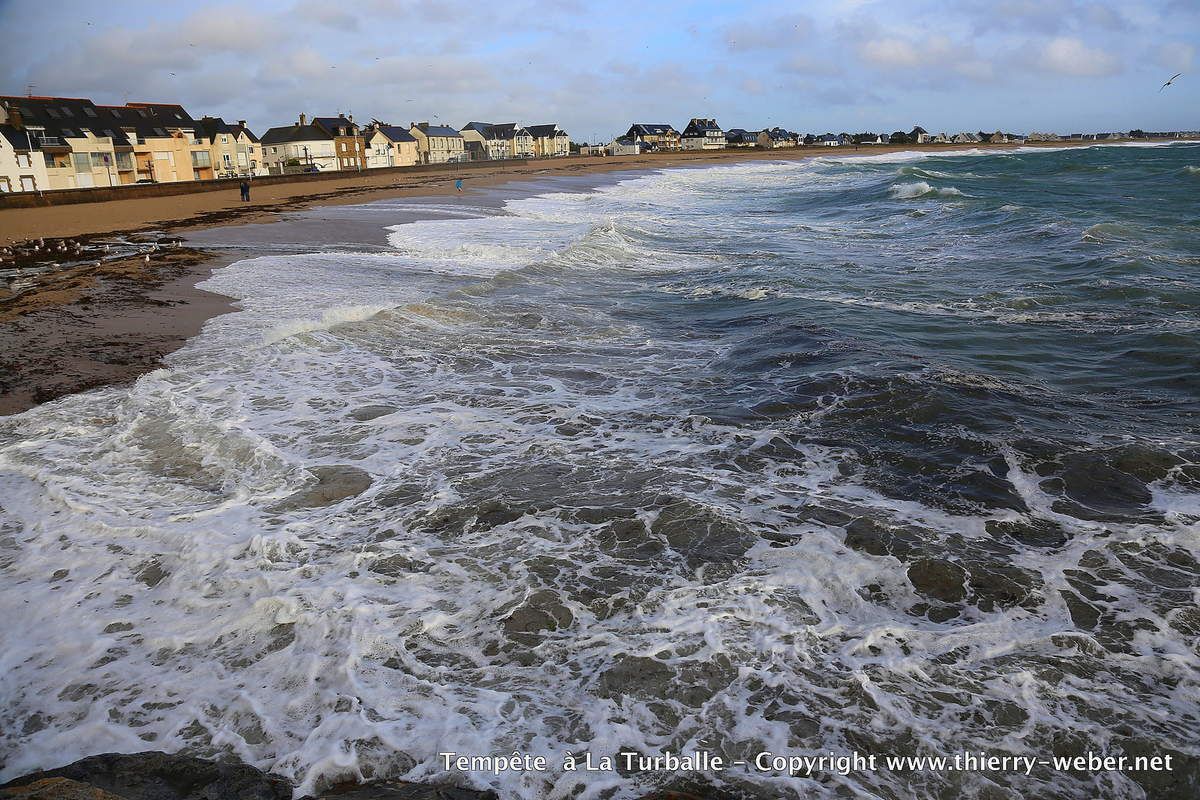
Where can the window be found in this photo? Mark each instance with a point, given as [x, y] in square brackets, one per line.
[68, 133]
[67, 112]
[23, 160]
[100, 160]
[89, 111]
[224, 138]
[5, 186]
[28, 184]
[116, 112]
[82, 162]
[53, 113]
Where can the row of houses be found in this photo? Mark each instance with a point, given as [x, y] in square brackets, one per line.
[705, 134]
[67, 143]
[340, 143]
[51, 143]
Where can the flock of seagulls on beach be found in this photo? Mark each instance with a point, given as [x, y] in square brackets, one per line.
[78, 251]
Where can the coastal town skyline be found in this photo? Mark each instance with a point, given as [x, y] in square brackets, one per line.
[840, 67]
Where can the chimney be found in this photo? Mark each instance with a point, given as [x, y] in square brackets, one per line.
[303, 120]
[15, 119]
[351, 118]
[241, 123]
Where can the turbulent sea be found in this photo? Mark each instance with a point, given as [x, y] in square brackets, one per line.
[894, 455]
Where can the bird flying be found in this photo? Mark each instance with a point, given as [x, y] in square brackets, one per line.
[1172, 80]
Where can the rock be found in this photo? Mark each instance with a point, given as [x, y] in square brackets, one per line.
[334, 484]
[368, 413]
[57, 789]
[402, 790]
[941, 580]
[702, 536]
[162, 776]
[636, 676]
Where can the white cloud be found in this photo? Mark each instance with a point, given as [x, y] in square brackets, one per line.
[891, 53]
[1070, 56]
[1175, 56]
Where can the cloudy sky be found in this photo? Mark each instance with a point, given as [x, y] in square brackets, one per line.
[593, 67]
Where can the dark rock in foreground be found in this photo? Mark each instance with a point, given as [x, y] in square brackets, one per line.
[159, 776]
[162, 776]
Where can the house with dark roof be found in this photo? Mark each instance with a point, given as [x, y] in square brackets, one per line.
[22, 165]
[774, 138]
[549, 141]
[520, 140]
[483, 142]
[740, 137]
[298, 147]
[235, 149]
[659, 134]
[84, 144]
[348, 142]
[389, 145]
[702, 134]
[438, 144]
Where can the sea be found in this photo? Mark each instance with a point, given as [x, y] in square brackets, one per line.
[892, 455]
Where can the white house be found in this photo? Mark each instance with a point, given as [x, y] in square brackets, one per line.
[624, 146]
[301, 145]
[22, 165]
[703, 134]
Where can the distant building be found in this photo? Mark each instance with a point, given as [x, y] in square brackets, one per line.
[438, 144]
[740, 137]
[484, 143]
[389, 146]
[550, 141]
[300, 146]
[22, 165]
[702, 134]
[348, 142]
[774, 138]
[965, 137]
[520, 140]
[234, 149]
[625, 146]
[919, 135]
[592, 150]
[659, 134]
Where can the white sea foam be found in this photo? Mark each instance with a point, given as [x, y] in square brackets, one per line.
[908, 191]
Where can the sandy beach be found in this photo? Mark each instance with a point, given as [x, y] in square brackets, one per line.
[98, 323]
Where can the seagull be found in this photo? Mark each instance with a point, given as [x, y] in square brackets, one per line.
[1168, 83]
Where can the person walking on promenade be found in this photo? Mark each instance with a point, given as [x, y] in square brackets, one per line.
[245, 190]
[458, 185]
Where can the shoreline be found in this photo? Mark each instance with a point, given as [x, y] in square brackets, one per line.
[208, 208]
[92, 325]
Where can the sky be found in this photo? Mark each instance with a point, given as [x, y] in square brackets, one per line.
[594, 67]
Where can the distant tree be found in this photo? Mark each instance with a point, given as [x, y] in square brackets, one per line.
[899, 137]
[1137, 133]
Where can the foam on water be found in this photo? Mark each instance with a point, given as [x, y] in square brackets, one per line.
[542, 479]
